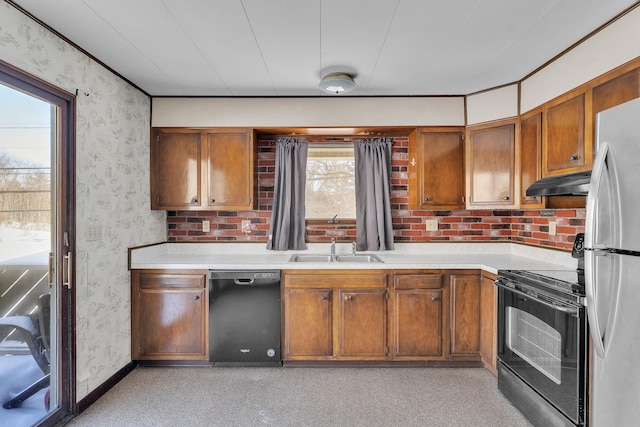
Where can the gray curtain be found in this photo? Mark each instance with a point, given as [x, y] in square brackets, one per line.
[374, 228]
[287, 230]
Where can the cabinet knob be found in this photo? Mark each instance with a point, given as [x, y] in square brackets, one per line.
[573, 158]
[347, 297]
[427, 199]
[324, 298]
[505, 198]
[213, 200]
[435, 298]
[196, 298]
[194, 201]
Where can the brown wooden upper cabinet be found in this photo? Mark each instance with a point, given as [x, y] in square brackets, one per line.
[176, 162]
[436, 169]
[229, 170]
[530, 157]
[491, 156]
[564, 149]
[616, 91]
[202, 169]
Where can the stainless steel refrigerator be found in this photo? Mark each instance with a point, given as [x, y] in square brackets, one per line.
[612, 267]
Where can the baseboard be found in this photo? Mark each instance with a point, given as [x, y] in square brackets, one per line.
[96, 394]
[381, 364]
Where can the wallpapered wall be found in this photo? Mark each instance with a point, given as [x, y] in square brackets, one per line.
[526, 226]
[112, 188]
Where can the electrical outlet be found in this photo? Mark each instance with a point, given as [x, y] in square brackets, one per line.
[94, 232]
[552, 228]
[206, 226]
[246, 226]
[432, 225]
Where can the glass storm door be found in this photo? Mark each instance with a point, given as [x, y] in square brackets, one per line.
[34, 259]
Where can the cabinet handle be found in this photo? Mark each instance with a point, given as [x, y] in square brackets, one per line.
[573, 158]
[194, 201]
[347, 297]
[324, 298]
[505, 198]
[196, 298]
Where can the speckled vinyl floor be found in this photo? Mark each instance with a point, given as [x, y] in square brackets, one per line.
[304, 397]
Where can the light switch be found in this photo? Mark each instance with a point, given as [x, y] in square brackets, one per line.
[552, 228]
[432, 225]
[94, 232]
[206, 227]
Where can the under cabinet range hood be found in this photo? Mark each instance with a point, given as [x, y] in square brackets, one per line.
[572, 184]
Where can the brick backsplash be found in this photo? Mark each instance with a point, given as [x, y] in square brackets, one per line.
[525, 226]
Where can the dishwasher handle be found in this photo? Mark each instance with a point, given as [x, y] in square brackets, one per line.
[243, 281]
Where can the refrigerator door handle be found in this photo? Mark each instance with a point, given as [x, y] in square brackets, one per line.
[592, 249]
[592, 303]
[592, 198]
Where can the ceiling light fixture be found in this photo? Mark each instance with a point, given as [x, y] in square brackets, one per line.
[337, 83]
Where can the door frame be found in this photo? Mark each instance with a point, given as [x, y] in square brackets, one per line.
[65, 225]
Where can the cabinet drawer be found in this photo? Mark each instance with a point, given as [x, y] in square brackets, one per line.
[412, 281]
[165, 280]
[336, 279]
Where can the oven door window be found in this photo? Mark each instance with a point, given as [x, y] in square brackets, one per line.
[536, 342]
[545, 347]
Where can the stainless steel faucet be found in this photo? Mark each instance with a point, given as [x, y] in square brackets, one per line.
[333, 246]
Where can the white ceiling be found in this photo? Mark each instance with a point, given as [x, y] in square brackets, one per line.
[284, 47]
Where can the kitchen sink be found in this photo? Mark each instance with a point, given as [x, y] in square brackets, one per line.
[334, 258]
[357, 258]
[311, 258]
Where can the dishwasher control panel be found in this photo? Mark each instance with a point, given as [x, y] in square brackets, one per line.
[244, 274]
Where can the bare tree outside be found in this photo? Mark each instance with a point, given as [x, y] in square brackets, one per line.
[26, 132]
[330, 186]
[25, 195]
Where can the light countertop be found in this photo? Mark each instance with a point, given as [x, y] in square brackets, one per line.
[488, 256]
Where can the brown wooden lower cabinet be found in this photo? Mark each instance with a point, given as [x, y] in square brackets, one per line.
[356, 315]
[418, 316]
[488, 322]
[362, 323]
[169, 315]
[335, 315]
[308, 325]
[330, 315]
[465, 315]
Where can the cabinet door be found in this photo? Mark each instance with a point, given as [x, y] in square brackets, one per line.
[489, 323]
[564, 148]
[362, 326]
[616, 91]
[172, 324]
[465, 314]
[229, 170]
[169, 316]
[175, 170]
[492, 165]
[530, 158]
[308, 323]
[418, 323]
[440, 170]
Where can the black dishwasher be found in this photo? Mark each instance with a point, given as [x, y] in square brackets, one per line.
[244, 318]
